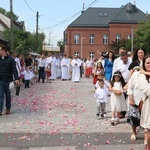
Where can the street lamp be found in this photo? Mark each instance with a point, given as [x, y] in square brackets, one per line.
[132, 38]
[11, 26]
[82, 45]
[44, 49]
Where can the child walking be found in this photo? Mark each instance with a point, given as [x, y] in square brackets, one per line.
[117, 98]
[32, 76]
[48, 72]
[98, 70]
[27, 77]
[101, 98]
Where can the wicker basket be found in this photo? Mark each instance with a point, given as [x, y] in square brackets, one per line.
[118, 93]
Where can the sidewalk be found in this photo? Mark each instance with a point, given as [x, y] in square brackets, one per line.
[61, 115]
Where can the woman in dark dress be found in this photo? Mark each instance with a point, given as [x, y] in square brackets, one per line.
[137, 59]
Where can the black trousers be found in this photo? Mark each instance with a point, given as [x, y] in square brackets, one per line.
[26, 82]
[123, 113]
[41, 74]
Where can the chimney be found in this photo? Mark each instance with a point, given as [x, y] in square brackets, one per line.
[131, 8]
[83, 9]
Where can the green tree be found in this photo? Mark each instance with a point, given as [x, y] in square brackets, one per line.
[3, 11]
[142, 36]
[24, 41]
[60, 43]
[114, 46]
[8, 14]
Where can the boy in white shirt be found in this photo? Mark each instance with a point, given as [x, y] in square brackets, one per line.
[27, 77]
[101, 98]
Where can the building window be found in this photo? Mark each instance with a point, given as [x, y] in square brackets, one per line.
[76, 38]
[118, 37]
[105, 39]
[128, 36]
[91, 38]
[76, 53]
[100, 14]
[91, 54]
[105, 15]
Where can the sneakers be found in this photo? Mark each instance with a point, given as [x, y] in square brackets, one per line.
[113, 122]
[117, 120]
[7, 111]
[102, 116]
[97, 116]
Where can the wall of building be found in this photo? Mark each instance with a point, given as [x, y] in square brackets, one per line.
[84, 33]
[5, 19]
[1, 27]
[123, 29]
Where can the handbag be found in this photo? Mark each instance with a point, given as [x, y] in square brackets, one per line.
[141, 104]
[11, 85]
[17, 90]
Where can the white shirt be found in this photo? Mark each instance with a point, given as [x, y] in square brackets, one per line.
[17, 62]
[133, 88]
[101, 94]
[27, 75]
[123, 68]
[89, 63]
[41, 62]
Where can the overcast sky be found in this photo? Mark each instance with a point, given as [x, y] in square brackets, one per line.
[56, 15]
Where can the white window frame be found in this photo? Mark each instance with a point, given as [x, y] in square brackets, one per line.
[91, 54]
[129, 36]
[91, 39]
[76, 38]
[118, 37]
[76, 53]
[105, 38]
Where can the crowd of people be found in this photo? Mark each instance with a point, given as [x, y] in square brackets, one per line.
[125, 79]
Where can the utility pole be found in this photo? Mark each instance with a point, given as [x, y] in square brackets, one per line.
[132, 38]
[37, 20]
[11, 27]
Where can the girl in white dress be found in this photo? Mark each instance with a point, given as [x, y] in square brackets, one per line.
[118, 103]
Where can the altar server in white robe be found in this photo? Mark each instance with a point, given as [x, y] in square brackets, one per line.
[76, 63]
[64, 68]
[58, 67]
[53, 68]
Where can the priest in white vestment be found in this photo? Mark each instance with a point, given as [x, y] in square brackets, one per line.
[53, 68]
[58, 67]
[76, 63]
[64, 68]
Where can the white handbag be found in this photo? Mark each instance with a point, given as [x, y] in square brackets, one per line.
[11, 85]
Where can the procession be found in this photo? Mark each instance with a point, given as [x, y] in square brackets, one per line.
[74, 75]
[119, 80]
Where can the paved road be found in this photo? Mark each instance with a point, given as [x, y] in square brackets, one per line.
[61, 116]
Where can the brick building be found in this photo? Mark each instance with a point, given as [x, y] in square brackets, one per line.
[95, 29]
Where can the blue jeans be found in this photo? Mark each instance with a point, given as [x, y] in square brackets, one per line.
[4, 90]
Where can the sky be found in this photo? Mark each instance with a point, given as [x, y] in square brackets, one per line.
[56, 15]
